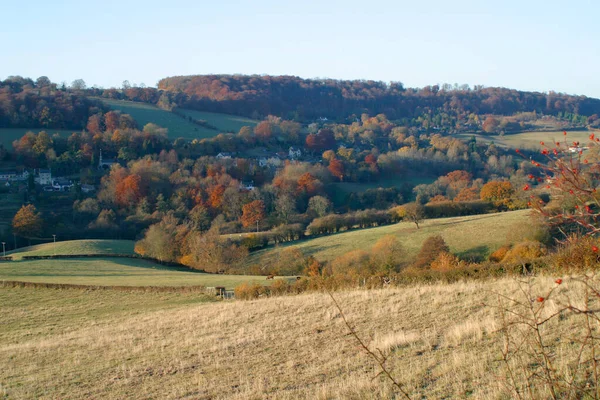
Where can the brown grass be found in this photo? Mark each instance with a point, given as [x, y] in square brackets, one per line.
[443, 343]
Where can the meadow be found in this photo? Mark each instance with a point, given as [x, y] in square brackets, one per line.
[223, 122]
[474, 236]
[8, 135]
[114, 271]
[443, 341]
[530, 140]
[76, 247]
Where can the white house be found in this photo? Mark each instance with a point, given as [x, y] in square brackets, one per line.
[44, 177]
[223, 156]
[87, 188]
[294, 153]
[13, 176]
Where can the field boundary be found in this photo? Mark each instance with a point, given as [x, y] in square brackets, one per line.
[41, 285]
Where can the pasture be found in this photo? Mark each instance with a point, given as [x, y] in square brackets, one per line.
[77, 247]
[474, 236]
[443, 341]
[8, 135]
[144, 113]
[223, 122]
[113, 271]
[531, 140]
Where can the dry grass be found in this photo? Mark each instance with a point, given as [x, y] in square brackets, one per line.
[442, 339]
[530, 140]
[77, 247]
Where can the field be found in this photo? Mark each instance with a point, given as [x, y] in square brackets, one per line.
[443, 342]
[530, 140]
[475, 236]
[78, 247]
[112, 271]
[8, 135]
[224, 122]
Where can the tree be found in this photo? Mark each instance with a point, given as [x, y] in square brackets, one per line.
[320, 205]
[430, 250]
[128, 192]
[252, 213]
[285, 206]
[490, 125]
[387, 254]
[497, 192]
[336, 167]
[78, 84]
[27, 222]
[414, 212]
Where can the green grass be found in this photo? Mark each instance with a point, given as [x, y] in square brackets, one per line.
[530, 140]
[8, 135]
[70, 247]
[476, 236]
[224, 122]
[115, 272]
[145, 113]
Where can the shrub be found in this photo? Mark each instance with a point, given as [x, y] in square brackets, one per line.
[499, 254]
[445, 262]
[576, 253]
[249, 291]
[431, 248]
[525, 252]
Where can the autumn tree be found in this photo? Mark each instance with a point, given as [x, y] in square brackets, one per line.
[413, 212]
[430, 250]
[497, 192]
[27, 222]
[128, 191]
[252, 213]
[336, 167]
[387, 254]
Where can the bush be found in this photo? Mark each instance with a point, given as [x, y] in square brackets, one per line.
[576, 254]
[249, 291]
[445, 262]
[525, 252]
[499, 254]
[430, 250]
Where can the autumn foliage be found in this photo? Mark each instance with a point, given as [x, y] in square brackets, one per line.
[253, 212]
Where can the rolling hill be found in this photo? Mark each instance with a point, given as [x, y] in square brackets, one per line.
[76, 247]
[472, 236]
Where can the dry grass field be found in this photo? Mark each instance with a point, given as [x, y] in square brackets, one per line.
[530, 140]
[76, 247]
[443, 342]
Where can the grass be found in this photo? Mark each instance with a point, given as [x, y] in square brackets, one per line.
[115, 272]
[224, 122]
[443, 342]
[530, 140]
[70, 247]
[8, 135]
[475, 236]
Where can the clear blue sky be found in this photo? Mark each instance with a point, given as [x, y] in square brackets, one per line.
[537, 45]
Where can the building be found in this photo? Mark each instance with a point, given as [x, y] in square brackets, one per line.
[223, 156]
[62, 184]
[44, 177]
[13, 176]
[105, 163]
[88, 188]
[294, 153]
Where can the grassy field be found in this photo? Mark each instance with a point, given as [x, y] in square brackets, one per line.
[8, 135]
[69, 247]
[443, 341]
[475, 236]
[145, 113]
[530, 140]
[224, 122]
[115, 272]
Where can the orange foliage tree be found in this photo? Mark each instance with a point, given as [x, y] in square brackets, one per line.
[253, 213]
[336, 167]
[497, 192]
[128, 192]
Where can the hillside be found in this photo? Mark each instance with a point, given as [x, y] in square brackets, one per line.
[114, 272]
[309, 99]
[474, 236]
[78, 247]
[442, 340]
[530, 140]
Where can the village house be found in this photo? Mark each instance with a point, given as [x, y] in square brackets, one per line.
[294, 153]
[105, 163]
[13, 176]
[44, 177]
[224, 156]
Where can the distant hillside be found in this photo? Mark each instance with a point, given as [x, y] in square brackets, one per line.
[291, 96]
[69, 247]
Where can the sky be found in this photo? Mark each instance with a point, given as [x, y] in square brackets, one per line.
[526, 44]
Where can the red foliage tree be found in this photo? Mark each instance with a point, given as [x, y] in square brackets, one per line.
[128, 191]
[336, 167]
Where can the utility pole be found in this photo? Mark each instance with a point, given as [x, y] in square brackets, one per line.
[3, 249]
[15, 238]
[256, 226]
[54, 247]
